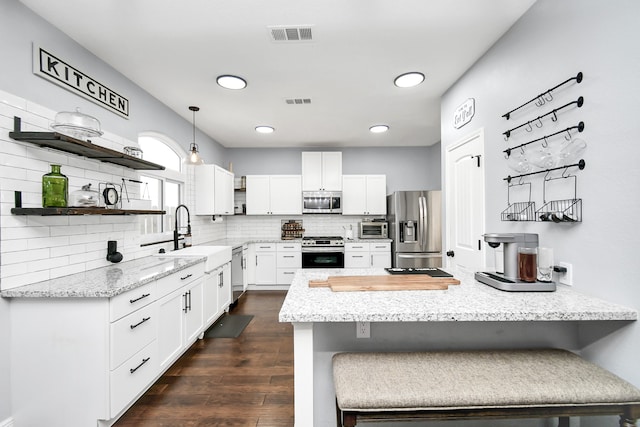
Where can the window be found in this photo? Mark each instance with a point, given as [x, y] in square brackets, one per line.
[165, 187]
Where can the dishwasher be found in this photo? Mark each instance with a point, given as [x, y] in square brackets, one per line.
[237, 274]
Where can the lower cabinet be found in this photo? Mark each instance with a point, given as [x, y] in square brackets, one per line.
[367, 255]
[180, 316]
[265, 264]
[275, 264]
[217, 293]
[100, 354]
[288, 261]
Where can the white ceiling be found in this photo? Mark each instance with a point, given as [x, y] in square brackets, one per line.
[176, 49]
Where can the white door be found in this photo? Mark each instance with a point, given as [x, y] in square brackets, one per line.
[464, 162]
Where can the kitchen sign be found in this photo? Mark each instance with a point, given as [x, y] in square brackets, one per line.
[57, 71]
[464, 113]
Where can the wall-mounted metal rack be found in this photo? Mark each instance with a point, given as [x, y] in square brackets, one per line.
[545, 96]
[71, 145]
[538, 120]
[579, 127]
[580, 165]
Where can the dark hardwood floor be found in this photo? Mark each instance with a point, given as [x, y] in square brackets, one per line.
[230, 382]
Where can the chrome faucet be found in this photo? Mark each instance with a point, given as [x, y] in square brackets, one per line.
[175, 230]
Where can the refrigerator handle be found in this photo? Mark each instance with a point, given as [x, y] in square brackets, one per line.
[422, 222]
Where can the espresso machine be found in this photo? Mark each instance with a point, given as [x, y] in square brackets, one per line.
[508, 281]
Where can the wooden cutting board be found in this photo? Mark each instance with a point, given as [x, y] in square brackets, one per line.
[395, 282]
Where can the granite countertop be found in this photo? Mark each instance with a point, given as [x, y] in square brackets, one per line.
[469, 301]
[234, 243]
[104, 282]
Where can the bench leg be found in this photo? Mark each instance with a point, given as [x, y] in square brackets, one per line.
[563, 421]
[349, 419]
[627, 422]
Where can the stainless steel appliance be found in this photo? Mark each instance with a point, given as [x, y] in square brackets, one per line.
[237, 273]
[322, 202]
[322, 252]
[415, 228]
[373, 229]
[508, 281]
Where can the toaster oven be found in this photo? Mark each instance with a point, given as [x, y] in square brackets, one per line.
[373, 230]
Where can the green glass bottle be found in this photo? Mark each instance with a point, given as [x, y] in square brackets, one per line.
[55, 189]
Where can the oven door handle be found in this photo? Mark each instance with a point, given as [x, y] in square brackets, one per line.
[324, 249]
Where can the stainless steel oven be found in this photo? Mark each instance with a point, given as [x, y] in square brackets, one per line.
[322, 252]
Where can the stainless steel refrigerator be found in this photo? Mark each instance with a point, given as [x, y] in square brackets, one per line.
[416, 228]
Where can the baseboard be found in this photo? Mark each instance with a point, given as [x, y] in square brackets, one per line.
[7, 423]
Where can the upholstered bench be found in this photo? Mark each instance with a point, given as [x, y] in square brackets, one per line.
[495, 384]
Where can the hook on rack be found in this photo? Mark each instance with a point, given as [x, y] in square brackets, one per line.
[539, 121]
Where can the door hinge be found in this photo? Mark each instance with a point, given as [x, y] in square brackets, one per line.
[477, 158]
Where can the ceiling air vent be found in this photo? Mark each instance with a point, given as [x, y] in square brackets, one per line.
[291, 33]
[298, 101]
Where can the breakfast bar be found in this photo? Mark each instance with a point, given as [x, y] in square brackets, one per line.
[467, 316]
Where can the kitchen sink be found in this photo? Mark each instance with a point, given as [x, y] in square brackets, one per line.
[216, 255]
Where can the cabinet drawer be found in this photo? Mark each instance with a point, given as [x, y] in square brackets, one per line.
[132, 377]
[126, 303]
[285, 276]
[289, 247]
[357, 260]
[129, 334]
[265, 247]
[180, 278]
[380, 247]
[356, 247]
[289, 260]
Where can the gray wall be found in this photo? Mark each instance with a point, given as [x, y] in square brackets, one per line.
[422, 162]
[551, 43]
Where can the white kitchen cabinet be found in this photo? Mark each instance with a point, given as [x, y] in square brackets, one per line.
[288, 261]
[102, 352]
[321, 171]
[367, 255]
[180, 313]
[380, 254]
[266, 264]
[223, 279]
[214, 190]
[364, 195]
[274, 195]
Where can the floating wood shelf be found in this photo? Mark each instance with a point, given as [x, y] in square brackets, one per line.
[82, 148]
[82, 211]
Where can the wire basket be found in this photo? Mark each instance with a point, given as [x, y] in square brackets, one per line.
[520, 211]
[568, 210]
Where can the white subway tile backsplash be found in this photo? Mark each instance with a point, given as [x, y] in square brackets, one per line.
[24, 256]
[47, 242]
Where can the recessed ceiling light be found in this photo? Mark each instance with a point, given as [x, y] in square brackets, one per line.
[411, 79]
[231, 82]
[264, 129]
[379, 128]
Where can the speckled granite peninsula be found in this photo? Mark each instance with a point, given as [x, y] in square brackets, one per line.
[104, 282]
[469, 301]
[470, 315]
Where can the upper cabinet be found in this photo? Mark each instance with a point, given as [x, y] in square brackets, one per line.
[274, 195]
[214, 190]
[322, 171]
[364, 195]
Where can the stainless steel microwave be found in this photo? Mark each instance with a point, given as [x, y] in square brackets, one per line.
[322, 202]
[373, 230]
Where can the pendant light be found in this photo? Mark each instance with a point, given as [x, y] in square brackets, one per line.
[194, 155]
